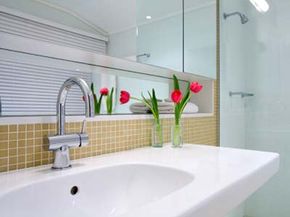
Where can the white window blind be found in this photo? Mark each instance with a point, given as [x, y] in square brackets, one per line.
[28, 89]
[26, 28]
[29, 84]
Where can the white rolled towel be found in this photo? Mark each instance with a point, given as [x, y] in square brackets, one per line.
[191, 108]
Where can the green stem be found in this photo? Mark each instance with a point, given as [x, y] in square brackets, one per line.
[177, 114]
[176, 140]
[159, 131]
[158, 137]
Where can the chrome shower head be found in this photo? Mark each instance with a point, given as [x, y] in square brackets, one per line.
[243, 17]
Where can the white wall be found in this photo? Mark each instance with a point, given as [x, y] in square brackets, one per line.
[255, 58]
[232, 78]
[268, 114]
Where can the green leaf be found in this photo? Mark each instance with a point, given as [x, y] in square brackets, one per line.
[92, 88]
[110, 101]
[108, 104]
[154, 100]
[150, 106]
[96, 104]
[145, 101]
[176, 83]
[185, 99]
[155, 105]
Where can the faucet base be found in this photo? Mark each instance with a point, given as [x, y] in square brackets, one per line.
[61, 159]
[61, 168]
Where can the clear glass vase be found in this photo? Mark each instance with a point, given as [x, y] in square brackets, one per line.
[157, 135]
[176, 136]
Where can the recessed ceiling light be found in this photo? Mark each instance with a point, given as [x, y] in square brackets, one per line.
[148, 17]
[261, 5]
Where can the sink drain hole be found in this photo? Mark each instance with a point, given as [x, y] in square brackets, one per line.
[74, 190]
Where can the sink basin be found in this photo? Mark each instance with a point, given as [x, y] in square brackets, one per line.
[195, 180]
[109, 191]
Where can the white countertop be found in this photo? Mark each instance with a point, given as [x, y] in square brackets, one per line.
[223, 177]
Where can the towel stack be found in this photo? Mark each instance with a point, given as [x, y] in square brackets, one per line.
[189, 108]
[166, 107]
[140, 108]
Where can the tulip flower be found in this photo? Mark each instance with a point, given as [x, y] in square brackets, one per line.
[124, 97]
[180, 100]
[98, 101]
[104, 91]
[195, 87]
[176, 96]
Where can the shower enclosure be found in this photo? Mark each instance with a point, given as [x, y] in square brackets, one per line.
[255, 66]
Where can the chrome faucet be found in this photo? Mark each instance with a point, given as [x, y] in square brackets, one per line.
[61, 143]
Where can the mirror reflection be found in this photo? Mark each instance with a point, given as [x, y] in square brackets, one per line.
[200, 37]
[159, 40]
[29, 85]
[146, 31]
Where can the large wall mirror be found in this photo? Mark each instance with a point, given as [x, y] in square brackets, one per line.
[174, 34]
[179, 35]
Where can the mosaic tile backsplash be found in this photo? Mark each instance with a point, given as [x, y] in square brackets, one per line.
[23, 146]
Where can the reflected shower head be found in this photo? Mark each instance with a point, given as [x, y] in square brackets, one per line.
[244, 18]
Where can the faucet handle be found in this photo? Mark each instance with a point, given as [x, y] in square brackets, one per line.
[84, 125]
[68, 141]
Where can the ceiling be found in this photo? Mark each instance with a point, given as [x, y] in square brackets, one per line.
[109, 15]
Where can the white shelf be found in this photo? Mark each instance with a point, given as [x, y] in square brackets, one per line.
[52, 119]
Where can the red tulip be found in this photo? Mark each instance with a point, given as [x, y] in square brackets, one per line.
[124, 97]
[176, 96]
[195, 87]
[104, 91]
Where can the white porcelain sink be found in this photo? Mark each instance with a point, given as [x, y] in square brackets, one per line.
[109, 191]
[199, 181]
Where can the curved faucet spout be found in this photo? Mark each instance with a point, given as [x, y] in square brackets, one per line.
[61, 100]
[61, 143]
